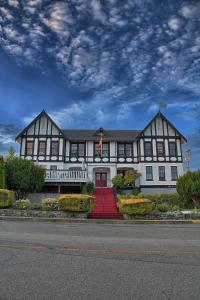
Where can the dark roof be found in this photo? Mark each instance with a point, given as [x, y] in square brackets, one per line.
[109, 135]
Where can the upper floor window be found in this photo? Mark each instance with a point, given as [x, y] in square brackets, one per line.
[42, 148]
[172, 149]
[149, 173]
[124, 149]
[161, 170]
[174, 173]
[54, 148]
[147, 148]
[105, 150]
[160, 148]
[77, 149]
[29, 147]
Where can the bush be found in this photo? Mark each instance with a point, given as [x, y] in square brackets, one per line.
[90, 187]
[22, 204]
[24, 176]
[76, 202]
[6, 198]
[188, 187]
[163, 207]
[49, 204]
[118, 182]
[135, 206]
[130, 177]
[136, 191]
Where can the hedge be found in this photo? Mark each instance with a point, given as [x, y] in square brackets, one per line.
[7, 198]
[135, 206]
[76, 202]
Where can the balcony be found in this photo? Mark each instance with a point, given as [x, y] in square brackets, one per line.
[65, 176]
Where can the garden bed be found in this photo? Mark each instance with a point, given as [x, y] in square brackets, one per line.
[157, 215]
[42, 214]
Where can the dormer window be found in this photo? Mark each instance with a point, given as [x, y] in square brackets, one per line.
[105, 150]
[172, 149]
[42, 148]
[160, 148]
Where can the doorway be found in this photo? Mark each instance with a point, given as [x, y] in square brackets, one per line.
[101, 179]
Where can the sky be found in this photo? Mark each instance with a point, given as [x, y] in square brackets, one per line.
[108, 63]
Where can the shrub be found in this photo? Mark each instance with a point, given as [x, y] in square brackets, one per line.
[162, 207]
[90, 187]
[130, 177]
[22, 204]
[24, 176]
[118, 182]
[76, 202]
[136, 191]
[188, 187]
[135, 206]
[49, 204]
[6, 198]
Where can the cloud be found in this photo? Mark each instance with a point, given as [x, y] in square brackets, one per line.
[7, 137]
[13, 3]
[191, 10]
[174, 23]
[97, 11]
[58, 18]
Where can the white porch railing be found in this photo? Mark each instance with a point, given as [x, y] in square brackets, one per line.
[65, 176]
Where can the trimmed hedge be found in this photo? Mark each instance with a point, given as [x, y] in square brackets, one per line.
[22, 204]
[135, 206]
[7, 198]
[76, 202]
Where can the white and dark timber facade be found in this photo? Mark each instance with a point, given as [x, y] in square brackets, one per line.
[71, 157]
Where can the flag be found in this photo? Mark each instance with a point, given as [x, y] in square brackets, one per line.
[100, 145]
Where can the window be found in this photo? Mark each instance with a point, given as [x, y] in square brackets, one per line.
[161, 170]
[29, 147]
[77, 149]
[105, 150]
[55, 148]
[42, 148]
[149, 173]
[172, 149]
[124, 149]
[174, 172]
[147, 148]
[160, 148]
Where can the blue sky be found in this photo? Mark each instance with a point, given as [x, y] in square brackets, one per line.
[92, 63]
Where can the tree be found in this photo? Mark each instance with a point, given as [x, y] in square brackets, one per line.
[2, 174]
[188, 187]
[130, 177]
[24, 177]
[11, 153]
[118, 182]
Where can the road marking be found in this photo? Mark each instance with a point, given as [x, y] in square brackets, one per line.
[102, 250]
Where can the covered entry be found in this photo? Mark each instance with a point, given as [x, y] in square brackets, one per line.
[101, 177]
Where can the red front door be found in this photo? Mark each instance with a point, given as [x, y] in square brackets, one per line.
[101, 179]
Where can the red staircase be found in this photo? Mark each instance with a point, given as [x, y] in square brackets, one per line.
[105, 205]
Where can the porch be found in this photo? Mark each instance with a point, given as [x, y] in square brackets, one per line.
[66, 176]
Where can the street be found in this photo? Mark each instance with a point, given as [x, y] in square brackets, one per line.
[47, 260]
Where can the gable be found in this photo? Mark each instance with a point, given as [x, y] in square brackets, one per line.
[41, 125]
[160, 126]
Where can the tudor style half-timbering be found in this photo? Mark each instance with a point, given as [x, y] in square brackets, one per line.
[72, 157]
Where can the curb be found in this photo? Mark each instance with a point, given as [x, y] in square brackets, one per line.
[98, 221]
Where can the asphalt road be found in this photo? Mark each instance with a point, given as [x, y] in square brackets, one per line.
[91, 261]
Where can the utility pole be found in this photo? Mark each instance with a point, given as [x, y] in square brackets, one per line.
[187, 159]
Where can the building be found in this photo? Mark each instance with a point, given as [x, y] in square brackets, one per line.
[72, 157]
